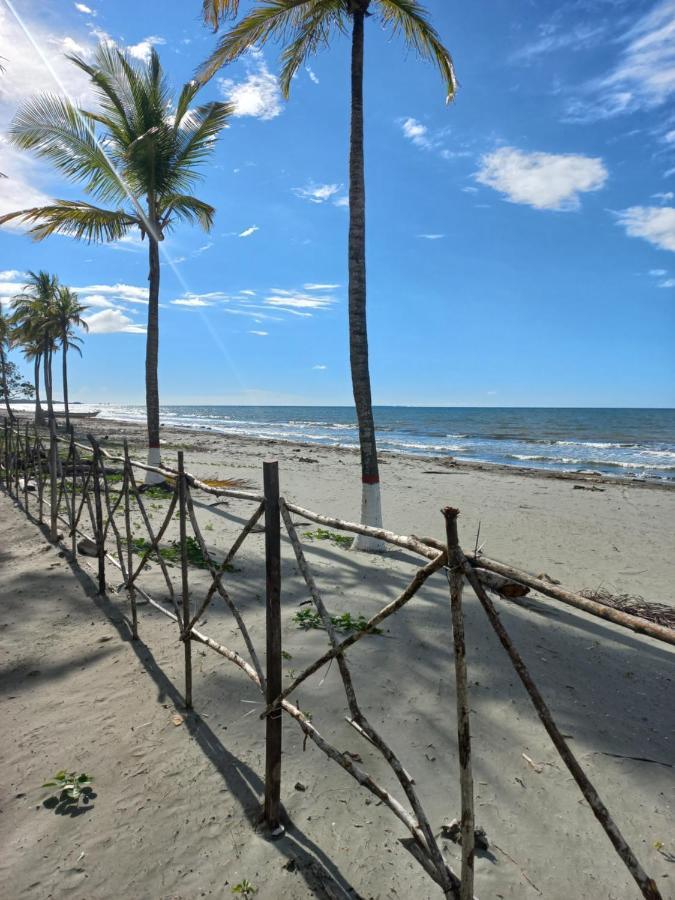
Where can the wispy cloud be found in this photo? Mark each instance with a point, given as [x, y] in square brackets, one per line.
[320, 287]
[125, 293]
[247, 232]
[274, 304]
[320, 368]
[658, 273]
[85, 10]
[668, 283]
[312, 74]
[258, 94]
[644, 75]
[190, 301]
[416, 132]
[655, 224]
[581, 36]
[431, 237]
[317, 193]
[260, 333]
[541, 180]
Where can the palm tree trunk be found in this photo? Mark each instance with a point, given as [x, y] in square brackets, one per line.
[151, 360]
[371, 511]
[64, 363]
[39, 414]
[5, 389]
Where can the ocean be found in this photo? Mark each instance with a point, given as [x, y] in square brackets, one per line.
[636, 443]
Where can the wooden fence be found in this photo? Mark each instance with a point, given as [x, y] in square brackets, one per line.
[92, 493]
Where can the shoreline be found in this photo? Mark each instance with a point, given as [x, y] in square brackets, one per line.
[447, 462]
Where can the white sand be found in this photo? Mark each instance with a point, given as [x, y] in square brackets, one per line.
[176, 806]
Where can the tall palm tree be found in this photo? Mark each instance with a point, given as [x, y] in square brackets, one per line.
[142, 162]
[5, 334]
[66, 316]
[34, 331]
[306, 26]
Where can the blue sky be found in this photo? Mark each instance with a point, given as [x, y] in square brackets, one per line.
[521, 241]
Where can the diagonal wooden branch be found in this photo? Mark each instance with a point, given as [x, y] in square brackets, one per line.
[420, 577]
[646, 884]
[217, 581]
[228, 559]
[429, 846]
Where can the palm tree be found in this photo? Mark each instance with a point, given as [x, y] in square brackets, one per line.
[34, 331]
[144, 160]
[307, 25]
[5, 333]
[67, 314]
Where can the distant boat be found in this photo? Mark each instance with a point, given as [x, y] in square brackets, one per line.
[75, 410]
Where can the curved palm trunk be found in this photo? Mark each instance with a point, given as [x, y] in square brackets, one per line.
[39, 413]
[64, 364]
[371, 511]
[151, 361]
[5, 389]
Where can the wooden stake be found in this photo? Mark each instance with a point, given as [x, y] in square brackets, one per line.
[5, 432]
[98, 511]
[53, 457]
[456, 582]
[185, 592]
[273, 680]
[25, 470]
[126, 487]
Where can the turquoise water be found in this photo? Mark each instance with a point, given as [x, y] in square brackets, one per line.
[638, 443]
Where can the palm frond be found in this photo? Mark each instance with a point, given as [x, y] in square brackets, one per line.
[214, 11]
[196, 137]
[410, 19]
[312, 33]
[186, 97]
[55, 129]
[76, 219]
[269, 19]
[190, 209]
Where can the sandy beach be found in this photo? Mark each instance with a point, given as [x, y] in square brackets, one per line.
[176, 806]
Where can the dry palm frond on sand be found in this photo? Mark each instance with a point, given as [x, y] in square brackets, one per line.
[659, 613]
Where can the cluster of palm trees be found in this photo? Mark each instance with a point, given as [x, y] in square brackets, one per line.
[43, 321]
[140, 150]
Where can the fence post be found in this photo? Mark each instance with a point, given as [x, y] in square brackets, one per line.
[185, 587]
[456, 582]
[271, 812]
[53, 493]
[98, 510]
[6, 451]
[126, 487]
[25, 469]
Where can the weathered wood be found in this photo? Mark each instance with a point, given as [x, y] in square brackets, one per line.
[126, 488]
[185, 587]
[52, 481]
[456, 581]
[646, 884]
[418, 580]
[98, 507]
[272, 808]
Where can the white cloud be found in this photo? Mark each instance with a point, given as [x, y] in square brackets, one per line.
[668, 283]
[657, 273]
[248, 293]
[664, 196]
[97, 300]
[80, 7]
[320, 368]
[342, 202]
[248, 231]
[258, 95]
[655, 224]
[260, 333]
[10, 274]
[541, 180]
[190, 301]
[125, 293]
[292, 301]
[317, 193]
[320, 287]
[112, 321]
[142, 50]
[431, 237]
[312, 74]
[644, 76]
[581, 37]
[416, 132]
